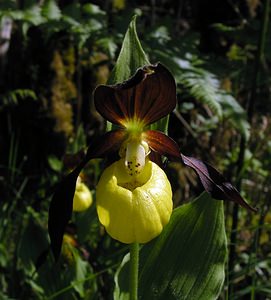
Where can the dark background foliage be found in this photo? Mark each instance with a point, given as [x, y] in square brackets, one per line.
[52, 56]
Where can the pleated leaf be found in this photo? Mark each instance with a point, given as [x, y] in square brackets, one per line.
[131, 56]
[187, 260]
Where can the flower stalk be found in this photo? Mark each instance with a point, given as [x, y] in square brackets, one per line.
[133, 278]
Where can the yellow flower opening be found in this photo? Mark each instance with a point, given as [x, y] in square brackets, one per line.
[134, 208]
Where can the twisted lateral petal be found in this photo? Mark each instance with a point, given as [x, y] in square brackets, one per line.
[162, 144]
[60, 210]
[214, 183]
[146, 97]
[134, 210]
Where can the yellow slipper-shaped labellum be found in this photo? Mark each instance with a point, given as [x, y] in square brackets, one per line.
[82, 197]
[134, 209]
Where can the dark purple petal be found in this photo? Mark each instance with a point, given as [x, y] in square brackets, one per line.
[162, 144]
[148, 96]
[60, 210]
[214, 183]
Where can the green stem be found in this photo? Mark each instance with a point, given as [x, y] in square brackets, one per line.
[134, 261]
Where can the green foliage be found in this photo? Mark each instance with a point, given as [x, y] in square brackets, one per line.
[81, 21]
[131, 56]
[205, 87]
[202, 85]
[187, 260]
[13, 97]
[50, 10]
[196, 79]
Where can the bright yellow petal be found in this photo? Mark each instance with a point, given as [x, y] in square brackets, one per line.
[134, 210]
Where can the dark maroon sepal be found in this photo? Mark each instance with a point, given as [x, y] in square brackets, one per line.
[60, 210]
[162, 144]
[147, 97]
[214, 183]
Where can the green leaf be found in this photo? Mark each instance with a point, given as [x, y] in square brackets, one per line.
[54, 163]
[92, 10]
[121, 279]
[50, 10]
[81, 270]
[108, 45]
[131, 56]
[33, 15]
[161, 125]
[187, 260]
[67, 278]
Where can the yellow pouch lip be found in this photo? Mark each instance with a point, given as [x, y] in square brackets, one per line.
[137, 214]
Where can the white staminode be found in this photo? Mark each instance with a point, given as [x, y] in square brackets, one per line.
[135, 156]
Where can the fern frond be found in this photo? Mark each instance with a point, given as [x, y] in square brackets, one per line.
[203, 86]
[13, 97]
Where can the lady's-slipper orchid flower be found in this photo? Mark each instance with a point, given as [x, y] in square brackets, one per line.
[134, 197]
[125, 186]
